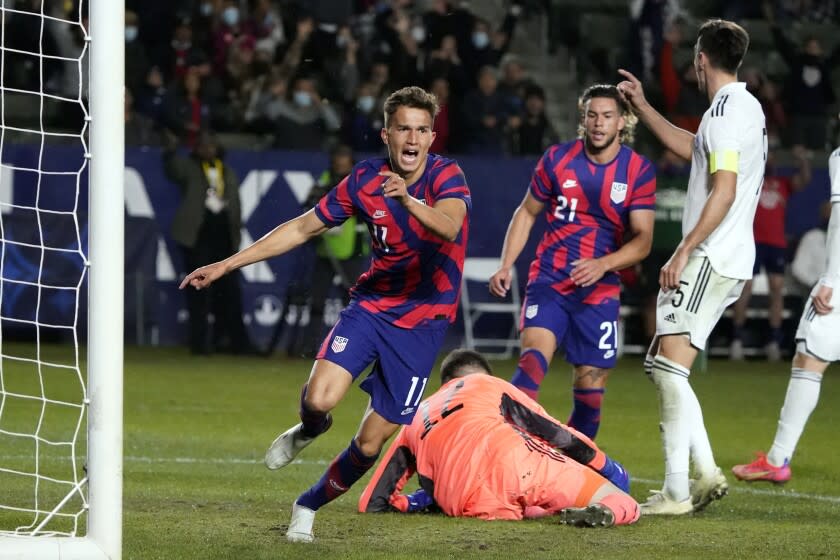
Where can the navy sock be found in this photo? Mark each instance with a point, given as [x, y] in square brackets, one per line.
[530, 372]
[342, 473]
[586, 414]
[314, 423]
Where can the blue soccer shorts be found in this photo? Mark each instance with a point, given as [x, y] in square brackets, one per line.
[402, 359]
[588, 333]
[772, 259]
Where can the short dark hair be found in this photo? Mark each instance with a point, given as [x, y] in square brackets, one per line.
[609, 91]
[460, 361]
[724, 43]
[414, 97]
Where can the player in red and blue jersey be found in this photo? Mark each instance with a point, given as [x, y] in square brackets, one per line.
[598, 197]
[416, 207]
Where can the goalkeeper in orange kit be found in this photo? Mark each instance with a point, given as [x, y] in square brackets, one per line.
[482, 448]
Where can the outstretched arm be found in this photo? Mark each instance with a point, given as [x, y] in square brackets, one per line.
[515, 239]
[278, 241]
[673, 137]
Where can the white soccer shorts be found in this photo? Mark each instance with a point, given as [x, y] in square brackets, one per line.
[819, 333]
[696, 306]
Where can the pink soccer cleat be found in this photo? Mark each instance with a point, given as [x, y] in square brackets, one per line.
[760, 469]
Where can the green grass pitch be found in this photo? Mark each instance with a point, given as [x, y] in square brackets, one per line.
[195, 487]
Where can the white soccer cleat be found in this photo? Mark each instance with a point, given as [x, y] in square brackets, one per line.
[300, 526]
[286, 447]
[660, 503]
[708, 488]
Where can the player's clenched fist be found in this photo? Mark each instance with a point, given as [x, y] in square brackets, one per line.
[394, 187]
[204, 276]
[500, 282]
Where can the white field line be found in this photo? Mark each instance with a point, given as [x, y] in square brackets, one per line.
[740, 489]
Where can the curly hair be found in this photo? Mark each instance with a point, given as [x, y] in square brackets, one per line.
[627, 134]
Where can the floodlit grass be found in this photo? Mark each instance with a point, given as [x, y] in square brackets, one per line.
[195, 487]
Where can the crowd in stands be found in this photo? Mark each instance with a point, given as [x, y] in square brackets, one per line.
[303, 75]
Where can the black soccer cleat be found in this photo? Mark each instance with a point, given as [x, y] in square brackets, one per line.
[596, 515]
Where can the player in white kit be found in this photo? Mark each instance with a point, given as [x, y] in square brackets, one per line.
[817, 345]
[712, 262]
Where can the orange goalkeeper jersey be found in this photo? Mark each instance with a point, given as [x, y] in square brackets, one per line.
[469, 426]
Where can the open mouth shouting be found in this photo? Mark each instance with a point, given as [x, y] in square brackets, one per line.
[408, 157]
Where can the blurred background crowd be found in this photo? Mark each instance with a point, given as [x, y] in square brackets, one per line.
[308, 75]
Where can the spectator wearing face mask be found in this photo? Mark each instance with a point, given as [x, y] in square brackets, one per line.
[365, 121]
[231, 27]
[182, 53]
[486, 46]
[304, 121]
[137, 64]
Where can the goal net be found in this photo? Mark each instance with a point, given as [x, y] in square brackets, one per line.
[61, 234]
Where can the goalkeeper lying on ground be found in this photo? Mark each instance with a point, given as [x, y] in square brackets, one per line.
[482, 448]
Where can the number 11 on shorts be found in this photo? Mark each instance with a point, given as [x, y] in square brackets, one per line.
[414, 381]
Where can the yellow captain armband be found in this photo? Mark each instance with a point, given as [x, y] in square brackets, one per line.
[726, 161]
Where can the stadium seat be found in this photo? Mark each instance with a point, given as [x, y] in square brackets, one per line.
[477, 301]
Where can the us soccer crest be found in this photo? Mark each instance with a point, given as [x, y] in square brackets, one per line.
[618, 192]
[531, 311]
[339, 343]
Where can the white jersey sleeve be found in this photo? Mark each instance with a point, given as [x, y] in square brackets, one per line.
[832, 242]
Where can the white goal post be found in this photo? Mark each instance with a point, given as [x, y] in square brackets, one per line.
[100, 489]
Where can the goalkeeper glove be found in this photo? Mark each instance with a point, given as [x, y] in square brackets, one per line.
[616, 473]
[419, 500]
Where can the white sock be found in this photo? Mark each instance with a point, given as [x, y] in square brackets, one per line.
[671, 381]
[701, 449]
[803, 392]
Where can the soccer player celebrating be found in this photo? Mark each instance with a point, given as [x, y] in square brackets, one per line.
[817, 344]
[595, 192]
[715, 257]
[416, 207]
[473, 461]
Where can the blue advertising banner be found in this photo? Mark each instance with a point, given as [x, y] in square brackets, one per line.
[38, 209]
